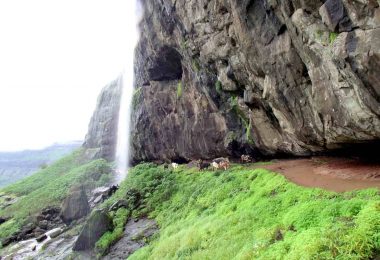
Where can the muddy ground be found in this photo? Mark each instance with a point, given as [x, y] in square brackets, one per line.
[330, 173]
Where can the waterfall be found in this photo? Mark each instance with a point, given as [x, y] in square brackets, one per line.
[126, 82]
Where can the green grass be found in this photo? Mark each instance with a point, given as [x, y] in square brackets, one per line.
[49, 187]
[120, 218]
[251, 214]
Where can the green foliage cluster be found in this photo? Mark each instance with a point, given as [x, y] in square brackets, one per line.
[332, 37]
[136, 97]
[179, 90]
[49, 187]
[246, 121]
[119, 218]
[326, 37]
[247, 213]
[195, 65]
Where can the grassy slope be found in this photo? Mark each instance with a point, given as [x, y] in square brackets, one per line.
[240, 214]
[49, 187]
[15, 166]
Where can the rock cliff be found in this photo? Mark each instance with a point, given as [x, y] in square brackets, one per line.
[225, 77]
[101, 138]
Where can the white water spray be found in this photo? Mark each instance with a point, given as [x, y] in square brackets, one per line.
[127, 85]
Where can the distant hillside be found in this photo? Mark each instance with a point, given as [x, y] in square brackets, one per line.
[17, 165]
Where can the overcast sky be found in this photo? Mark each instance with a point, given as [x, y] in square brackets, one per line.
[55, 56]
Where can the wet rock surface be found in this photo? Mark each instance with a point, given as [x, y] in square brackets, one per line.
[48, 219]
[258, 77]
[101, 138]
[98, 223]
[100, 194]
[75, 206]
[37, 248]
[135, 236]
[274, 76]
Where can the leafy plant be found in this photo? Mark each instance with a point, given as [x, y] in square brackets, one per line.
[179, 90]
[332, 37]
[136, 97]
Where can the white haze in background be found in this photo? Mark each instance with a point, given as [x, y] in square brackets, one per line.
[55, 56]
[127, 82]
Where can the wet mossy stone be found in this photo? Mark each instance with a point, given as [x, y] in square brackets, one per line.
[98, 223]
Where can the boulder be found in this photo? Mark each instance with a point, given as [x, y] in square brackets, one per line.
[101, 194]
[332, 11]
[98, 223]
[41, 238]
[55, 233]
[43, 224]
[75, 206]
[3, 220]
[119, 204]
[8, 240]
[39, 231]
[26, 232]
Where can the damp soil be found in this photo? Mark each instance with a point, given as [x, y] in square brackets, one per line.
[329, 173]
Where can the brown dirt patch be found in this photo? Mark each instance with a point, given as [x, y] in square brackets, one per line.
[329, 173]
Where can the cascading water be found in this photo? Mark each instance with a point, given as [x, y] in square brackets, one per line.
[127, 86]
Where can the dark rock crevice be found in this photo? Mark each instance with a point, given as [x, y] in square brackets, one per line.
[166, 65]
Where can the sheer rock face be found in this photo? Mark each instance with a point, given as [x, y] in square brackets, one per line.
[225, 77]
[101, 138]
[293, 77]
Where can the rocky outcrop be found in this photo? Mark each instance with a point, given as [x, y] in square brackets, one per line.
[101, 138]
[293, 77]
[100, 194]
[98, 224]
[75, 206]
[136, 234]
[217, 78]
